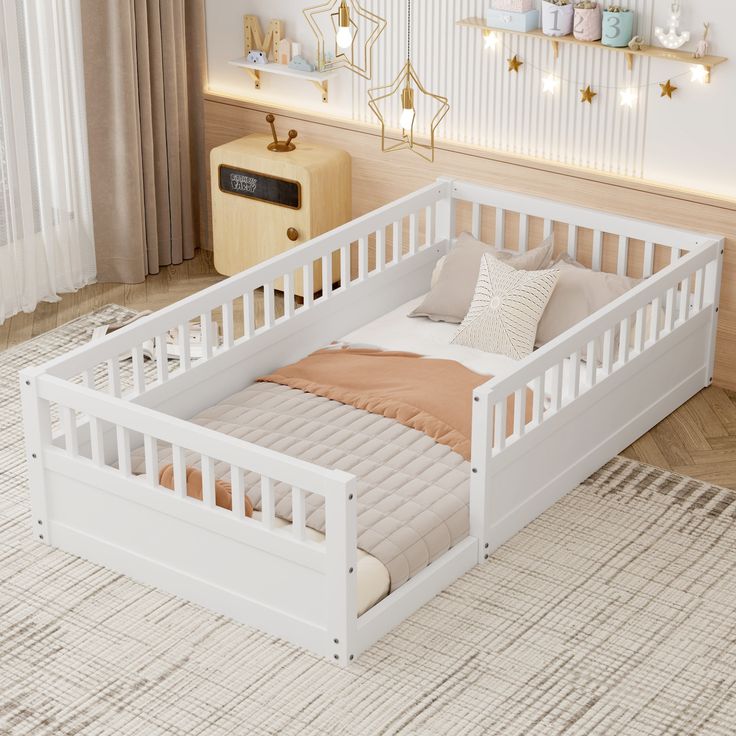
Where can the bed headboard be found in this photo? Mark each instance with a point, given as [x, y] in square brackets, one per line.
[378, 179]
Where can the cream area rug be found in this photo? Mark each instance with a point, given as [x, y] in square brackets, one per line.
[613, 613]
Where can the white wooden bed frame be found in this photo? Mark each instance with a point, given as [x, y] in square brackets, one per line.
[85, 499]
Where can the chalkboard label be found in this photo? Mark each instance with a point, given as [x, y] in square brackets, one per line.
[252, 185]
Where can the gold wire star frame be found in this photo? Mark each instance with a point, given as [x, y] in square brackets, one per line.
[407, 81]
[361, 21]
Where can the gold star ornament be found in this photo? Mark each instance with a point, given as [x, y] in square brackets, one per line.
[667, 89]
[514, 64]
[587, 95]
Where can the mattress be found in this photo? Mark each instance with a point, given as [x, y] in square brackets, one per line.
[412, 492]
[396, 331]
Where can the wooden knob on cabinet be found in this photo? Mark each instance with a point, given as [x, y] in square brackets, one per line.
[292, 233]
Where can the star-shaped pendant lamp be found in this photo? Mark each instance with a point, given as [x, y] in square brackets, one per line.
[587, 95]
[514, 63]
[349, 20]
[667, 89]
[404, 87]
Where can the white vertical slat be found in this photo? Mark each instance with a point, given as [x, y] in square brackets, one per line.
[208, 338]
[684, 308]
[150, 451]
[308, 283]
[520, 412]
[429, 225]
[548, 224]
[113, 375]
[269, 306]
[699, 282]
[97, 441]
[248, 315]
[669, 310]
[523, 232]
[639, 329]
[675, 254]
[268, 503]
[398, 241]
[185, 359]
[574, 375]
[298, 513]
[180, 471]
[69, 424]
[476, 221]
[380, 250]
[327, 275]
[623, 256]
[572, 241]
[654, 320]
[597, 250]
[123, 440]
[288, 295]
[237, 489]
[538, 408]
[208, 481]
[500, 228]
[413, 233]
[559, 376]
[648, 259]
[139, 379]
[591, 363]
[362, 259]
[623, 341]
[499, 425]
[228, 325]
[345, 266]
[162, 359]
[608, 351]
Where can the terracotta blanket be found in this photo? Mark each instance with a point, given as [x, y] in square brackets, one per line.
[431, 395]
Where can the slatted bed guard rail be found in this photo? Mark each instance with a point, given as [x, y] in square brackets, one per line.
[87, 411]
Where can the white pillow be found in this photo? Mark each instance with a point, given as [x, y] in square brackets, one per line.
[506, 309]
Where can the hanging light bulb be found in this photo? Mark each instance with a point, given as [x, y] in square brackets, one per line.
[491, 39]
[408, 113]
[699, 74]
[550, 83]
[628, 97]
[344, 37]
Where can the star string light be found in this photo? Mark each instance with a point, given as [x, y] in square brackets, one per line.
[587, 95]
[667, 89]
[514, 63]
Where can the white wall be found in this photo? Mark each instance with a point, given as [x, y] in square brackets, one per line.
[689, 141]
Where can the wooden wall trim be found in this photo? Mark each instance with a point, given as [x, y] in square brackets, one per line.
[380, 178]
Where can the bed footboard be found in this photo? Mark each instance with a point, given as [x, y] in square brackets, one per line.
[87, 501]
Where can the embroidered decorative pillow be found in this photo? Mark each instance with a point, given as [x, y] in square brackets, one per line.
[450, 297]
[506, 309]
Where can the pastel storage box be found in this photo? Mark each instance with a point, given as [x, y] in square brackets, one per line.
[510, 21]
[618, 28]
[557, 19]
[514, 6]
[587, 26]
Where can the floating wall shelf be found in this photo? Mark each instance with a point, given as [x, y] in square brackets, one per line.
[653, 52]
[318, 79]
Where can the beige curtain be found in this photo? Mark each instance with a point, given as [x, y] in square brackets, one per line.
[144, 77]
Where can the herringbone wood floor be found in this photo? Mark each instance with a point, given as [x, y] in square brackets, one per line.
[699, 439]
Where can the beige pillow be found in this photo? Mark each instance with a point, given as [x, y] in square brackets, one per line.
[450, 298]
[506, 307]
[579, 293]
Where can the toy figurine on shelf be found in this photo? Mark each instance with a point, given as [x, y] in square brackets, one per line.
[257, 57]
[637, 44]
[703, 45]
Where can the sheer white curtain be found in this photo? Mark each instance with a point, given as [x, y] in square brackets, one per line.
[46, 239]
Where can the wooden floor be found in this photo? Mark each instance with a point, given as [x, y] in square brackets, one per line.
[699, 439]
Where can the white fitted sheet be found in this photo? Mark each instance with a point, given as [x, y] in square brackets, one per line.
[396, 331]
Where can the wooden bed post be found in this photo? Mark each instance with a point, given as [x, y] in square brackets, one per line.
[480, 462]
[713, 292]
[341, 535]
[446, 212]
